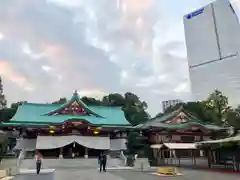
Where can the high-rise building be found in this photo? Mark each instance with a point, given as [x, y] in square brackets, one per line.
[170, 103]
[213, 48]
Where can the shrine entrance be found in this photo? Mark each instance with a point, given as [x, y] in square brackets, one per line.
[72, 146]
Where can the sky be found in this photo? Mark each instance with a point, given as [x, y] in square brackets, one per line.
[49, 48]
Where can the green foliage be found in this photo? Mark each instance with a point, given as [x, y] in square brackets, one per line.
[214, 110]
[60, 101]
[233, 118]
[113, 99]
[3, 101]
[217, 105]
[133, 107]
[6, 114]
[196, 109]
[3, 146]
[135, 143]
[91, 101]
[173, 108]
[159, 115]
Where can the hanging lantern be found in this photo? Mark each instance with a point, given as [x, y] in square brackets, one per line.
[96, 132]
[51, 131]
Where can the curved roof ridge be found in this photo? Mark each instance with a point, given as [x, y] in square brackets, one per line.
[75, 97]
[40, 104]
[167, 115]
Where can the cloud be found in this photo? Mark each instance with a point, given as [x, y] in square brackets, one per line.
[7, 72]
[96, 47]
[96, 93]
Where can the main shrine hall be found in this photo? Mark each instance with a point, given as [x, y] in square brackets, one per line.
[73, 129]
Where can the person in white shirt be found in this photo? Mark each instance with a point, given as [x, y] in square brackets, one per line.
[20, 157]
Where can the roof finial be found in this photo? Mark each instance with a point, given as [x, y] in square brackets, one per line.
[76, 91]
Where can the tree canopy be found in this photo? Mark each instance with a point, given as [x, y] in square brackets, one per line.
[214, 110]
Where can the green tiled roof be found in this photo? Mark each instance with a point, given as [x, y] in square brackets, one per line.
[38, 114]
[161, 122]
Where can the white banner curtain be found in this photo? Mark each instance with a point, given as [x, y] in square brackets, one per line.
[101, 143]
[53, 142]
[118, 144]
[26, 144]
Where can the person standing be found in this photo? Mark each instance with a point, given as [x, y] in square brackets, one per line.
[38, 158]
[102, 160]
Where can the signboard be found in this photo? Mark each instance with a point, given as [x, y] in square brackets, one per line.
[195, 13]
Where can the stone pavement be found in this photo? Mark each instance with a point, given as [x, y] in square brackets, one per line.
[187, 175]
[90, 174]
[87, 170]
[93, 174]
[34, 177]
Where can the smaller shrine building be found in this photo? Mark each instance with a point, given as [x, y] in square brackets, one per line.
[73, 129]
[175, 134]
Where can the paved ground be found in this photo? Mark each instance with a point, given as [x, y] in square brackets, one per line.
[93, 174]
[188, 175]
[87, 170]
[34, 177]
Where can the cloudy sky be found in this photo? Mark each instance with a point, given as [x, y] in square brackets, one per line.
[48, 48]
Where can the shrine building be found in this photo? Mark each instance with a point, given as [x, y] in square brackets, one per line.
[73, 129]
[175, 134]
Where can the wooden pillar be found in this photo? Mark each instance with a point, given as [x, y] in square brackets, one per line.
[214, 156]
[61, 153]
[163, 156]
[86, 153]
[194, 156]
[171, 156]
[179, 159]
[73, 150]
[209, 158]
[191, 152]
[235, 168]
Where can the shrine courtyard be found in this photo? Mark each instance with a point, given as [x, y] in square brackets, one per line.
[93, 174]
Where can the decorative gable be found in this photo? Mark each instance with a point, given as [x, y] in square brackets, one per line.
[179, 119]
[73, 108]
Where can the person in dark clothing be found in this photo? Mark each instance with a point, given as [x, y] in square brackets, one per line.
[38, 162]
[102, 159]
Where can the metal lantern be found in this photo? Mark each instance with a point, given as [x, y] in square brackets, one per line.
[51, 131]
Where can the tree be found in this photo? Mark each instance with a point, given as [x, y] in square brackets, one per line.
[134, 116]
[132, 99]
[160, 114]
[200, 111]
[233, 117]
[135, 143]
[3, 101]
[133, 107]
[91, 101]
[6, 114]
[173, 108]
[114, 99]
[60, 101]
[17, 104]
[217, 105]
